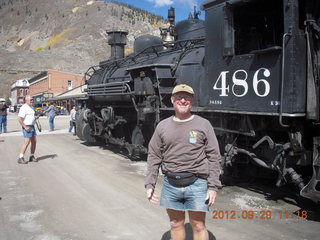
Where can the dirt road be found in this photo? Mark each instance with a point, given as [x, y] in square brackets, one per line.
[83, 192]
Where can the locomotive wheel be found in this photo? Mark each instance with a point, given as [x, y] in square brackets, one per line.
[85, 132]
[83, 129]
[79, 125]
[137, 136]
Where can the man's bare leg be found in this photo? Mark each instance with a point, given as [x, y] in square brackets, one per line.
[24, 146]
[197, 221]
[33, 144]
[177, 224]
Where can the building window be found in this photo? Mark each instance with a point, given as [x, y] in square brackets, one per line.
[21, 92]
[69, 84]
[26, 91]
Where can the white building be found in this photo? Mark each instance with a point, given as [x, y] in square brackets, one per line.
[19, 89]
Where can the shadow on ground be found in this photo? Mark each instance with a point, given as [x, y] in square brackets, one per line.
[116, 150]
[44, 157]
[167, 236]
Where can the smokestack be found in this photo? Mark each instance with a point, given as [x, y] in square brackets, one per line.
[117, 39]
[168, 33]
[171, 16]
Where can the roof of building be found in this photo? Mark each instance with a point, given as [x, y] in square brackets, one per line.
[23, 82]
[45, 73]
[77, 92]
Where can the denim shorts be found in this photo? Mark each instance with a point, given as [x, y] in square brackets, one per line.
[190, 198]
[32, 132]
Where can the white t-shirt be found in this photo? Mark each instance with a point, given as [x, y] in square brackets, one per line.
[73, 115]
[27, 113]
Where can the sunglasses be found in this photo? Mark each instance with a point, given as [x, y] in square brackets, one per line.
[179, 98]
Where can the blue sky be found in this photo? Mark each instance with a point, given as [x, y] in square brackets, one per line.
[160, 7]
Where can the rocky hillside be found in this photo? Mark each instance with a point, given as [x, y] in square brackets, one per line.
[64, 35]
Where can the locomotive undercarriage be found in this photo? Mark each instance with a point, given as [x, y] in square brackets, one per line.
[260, 141]
[121, 125]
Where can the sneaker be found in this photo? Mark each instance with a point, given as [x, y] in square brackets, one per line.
[22, 161]
[33, 159]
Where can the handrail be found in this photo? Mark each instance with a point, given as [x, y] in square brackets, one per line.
[282, 78]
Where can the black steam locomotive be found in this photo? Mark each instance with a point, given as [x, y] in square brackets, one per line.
[254, 67]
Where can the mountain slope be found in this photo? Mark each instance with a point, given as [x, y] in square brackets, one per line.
[65, 35]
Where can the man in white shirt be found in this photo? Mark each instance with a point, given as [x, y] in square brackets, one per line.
[73, 113]
[27, 120]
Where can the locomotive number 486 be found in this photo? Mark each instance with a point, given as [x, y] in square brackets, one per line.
[240, 87]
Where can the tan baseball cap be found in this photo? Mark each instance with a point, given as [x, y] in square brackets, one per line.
[183, 88]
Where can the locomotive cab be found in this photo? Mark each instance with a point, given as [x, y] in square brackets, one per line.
[261, 78]
[247, 44]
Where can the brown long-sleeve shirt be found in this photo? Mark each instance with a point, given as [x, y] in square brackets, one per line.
[187, 146]
[3, 109]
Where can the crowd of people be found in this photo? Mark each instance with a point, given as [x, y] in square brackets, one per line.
[27, 118]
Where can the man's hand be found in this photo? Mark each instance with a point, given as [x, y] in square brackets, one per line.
[27, 129]
[151, 196]
[211, 197]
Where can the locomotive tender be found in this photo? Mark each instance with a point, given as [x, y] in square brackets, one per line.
[254, 67]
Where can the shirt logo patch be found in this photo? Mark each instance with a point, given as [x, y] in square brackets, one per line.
[193, 137]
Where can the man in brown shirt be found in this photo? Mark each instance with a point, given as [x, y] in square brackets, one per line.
[187, 150]
[3, 115]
